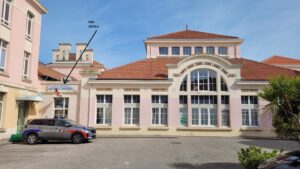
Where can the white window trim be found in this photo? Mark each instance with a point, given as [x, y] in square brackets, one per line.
[163, 54]
[3, 20]
[221, 54]
[1, 115]
[29, 18]
[26, 57]
[64, 106]
[207, 107]
[187, 48]
[131, 105]
[104, 106]
[250, 107]
[5, 49]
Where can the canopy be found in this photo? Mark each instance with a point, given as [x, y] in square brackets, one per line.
[36, 98]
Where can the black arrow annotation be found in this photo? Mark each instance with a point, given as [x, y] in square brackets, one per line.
[65, 80]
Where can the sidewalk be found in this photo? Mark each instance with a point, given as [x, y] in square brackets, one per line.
[4, 142]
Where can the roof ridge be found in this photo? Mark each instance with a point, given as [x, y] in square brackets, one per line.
[270, 65]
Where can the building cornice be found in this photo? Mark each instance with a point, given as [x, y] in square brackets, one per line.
[121, 82]
[194, 40]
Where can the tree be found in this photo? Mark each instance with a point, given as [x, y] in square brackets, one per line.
[283, 95]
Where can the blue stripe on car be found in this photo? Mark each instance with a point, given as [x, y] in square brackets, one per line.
[31, 131]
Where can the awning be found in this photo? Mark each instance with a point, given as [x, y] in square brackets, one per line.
[37, 98]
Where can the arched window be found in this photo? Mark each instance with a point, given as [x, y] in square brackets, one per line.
[183, 86]
[203, 80]
[223, 85]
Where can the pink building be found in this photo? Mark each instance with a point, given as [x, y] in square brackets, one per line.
[190, 83]
[19, 53]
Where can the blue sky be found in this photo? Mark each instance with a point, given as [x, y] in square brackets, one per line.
[268, 27]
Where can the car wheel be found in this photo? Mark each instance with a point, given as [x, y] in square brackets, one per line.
[32, 138]
[77, 138]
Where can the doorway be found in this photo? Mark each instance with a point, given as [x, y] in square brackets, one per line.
[23, 110]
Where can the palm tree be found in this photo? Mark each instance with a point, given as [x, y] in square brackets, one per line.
[283, 95]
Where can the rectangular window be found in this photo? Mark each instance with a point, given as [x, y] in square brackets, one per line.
[187, 50]
[182, 99]
[198, 50]
[3, 54]
[5, 12]
[61, 105]
[249, 111]
[203, 99]
[204, 116]
[210, 50]
[1, 107]
[225, 118]
[159, 109]
[26, 66]
[104, 109]
[163, 50]
[223, 50]
[29, 25]
[183, 111]
[224, 99]
[175, 51]
[131, 109]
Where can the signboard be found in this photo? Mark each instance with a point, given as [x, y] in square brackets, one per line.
[59, 87]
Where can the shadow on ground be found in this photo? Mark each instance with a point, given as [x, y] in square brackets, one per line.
[206, 166]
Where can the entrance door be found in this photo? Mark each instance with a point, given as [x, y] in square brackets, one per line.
[23, 107]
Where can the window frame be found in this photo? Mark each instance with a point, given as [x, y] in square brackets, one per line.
[173, 50]
[160, 104]
[198, 47]
[221, 48]
[132, 105]
[250, 108]
[25, 75]
[3, 14]
[64, 109]
[106, 105]
[3, 47]
[160, 49]
[213, 50]
[29, 25]
[203, 81]
[1, 109]
[187, 50]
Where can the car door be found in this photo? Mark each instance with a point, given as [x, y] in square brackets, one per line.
[62, 127]
[48, 129]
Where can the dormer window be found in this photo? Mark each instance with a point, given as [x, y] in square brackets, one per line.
[187, 50]
[223, 50]
[198, 50]
[210, 50]
[163, 50]
[175, 51]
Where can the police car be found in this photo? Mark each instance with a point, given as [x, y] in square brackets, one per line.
[56, 129]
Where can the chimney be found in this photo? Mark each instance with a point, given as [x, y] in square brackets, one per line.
[64, 51]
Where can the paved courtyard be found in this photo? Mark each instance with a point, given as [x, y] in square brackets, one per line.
[134, 153]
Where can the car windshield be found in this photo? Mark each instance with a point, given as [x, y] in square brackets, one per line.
[73, 123]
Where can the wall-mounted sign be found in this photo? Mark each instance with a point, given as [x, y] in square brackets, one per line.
[204, 63]
[59, 87]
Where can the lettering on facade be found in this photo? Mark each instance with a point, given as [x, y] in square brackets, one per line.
[59, 87]
[104, 89]
[131, 90]
[159, 90]
[249, 90]
[203, 63]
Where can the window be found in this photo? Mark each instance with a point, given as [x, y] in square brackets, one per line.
[223, 85]
[104, 109]
[225, 117]
[5, 12]
[1, 107]
[225, 99]
[3, 54]
[249, 111]
[204, 99]
[204, 116]
[175, 51]
[183, 86]
[210, 50]
[87, 57]
[29, 25]
[64, 55]
[198, 50]
[26, 65]
[223, 50]
[187, 50]
[163, 50]
[132, 109]
[203, 80]
[183, 111]
[159, 110]
[61, 105]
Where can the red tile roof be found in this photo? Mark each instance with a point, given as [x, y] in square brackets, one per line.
[189, 34]
[155, 69]
[281, 60]
[45, 71]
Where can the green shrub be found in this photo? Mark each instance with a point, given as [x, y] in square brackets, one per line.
[252, 157]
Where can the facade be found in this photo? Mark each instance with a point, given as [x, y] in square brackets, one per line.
[65, 100]
[190, 83]
[19, 45]
[284, 62]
